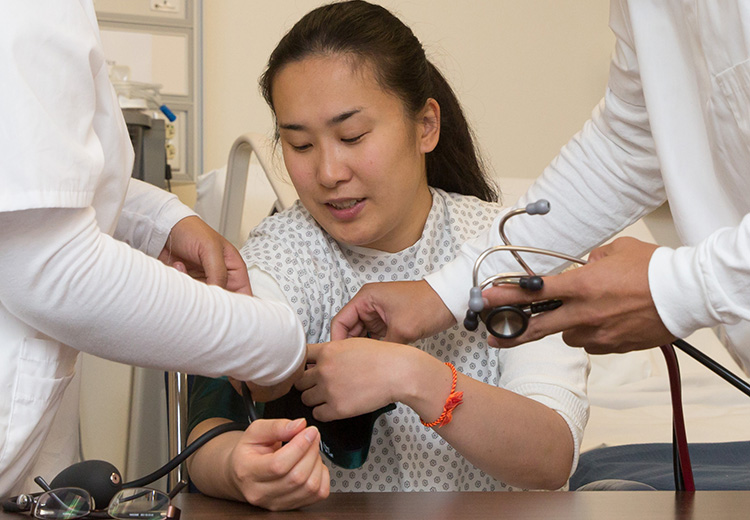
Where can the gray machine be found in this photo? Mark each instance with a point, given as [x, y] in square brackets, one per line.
[148, 136]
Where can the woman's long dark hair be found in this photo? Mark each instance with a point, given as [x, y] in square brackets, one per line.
[372, 33]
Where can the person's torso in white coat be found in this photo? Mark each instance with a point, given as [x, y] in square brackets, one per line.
[693, 62]
[34, 369]
[674, 125]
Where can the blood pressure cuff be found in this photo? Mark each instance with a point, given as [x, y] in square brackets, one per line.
[345, 442]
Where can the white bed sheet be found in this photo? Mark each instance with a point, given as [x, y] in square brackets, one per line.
[630, 398]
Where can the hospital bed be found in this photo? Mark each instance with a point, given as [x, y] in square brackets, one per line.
[630, 424]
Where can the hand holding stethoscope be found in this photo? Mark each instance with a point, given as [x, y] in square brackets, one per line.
[607, 303]
[511, 321]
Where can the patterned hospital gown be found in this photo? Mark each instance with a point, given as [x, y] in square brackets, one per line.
[318, 276]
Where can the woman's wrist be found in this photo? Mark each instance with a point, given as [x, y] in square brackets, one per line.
[425, 382]
[213, 470]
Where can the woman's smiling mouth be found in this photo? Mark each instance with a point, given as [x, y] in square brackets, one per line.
[344, 204]
[344, 209]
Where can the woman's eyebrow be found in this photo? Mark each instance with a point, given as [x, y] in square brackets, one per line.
[340, 118]
[344, 116]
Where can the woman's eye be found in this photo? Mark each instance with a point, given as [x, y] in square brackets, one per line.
[300, 148]
[352, 140]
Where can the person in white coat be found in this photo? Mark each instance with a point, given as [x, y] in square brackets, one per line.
[674, 125]
[74, 228]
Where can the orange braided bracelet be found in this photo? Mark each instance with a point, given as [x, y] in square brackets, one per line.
[454, 399]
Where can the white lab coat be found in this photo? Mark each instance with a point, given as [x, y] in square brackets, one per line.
[34, 369]
[674, 124]
[64, 144]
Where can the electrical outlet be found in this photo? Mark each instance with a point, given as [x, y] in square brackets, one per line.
[169, 6]
[169, 130]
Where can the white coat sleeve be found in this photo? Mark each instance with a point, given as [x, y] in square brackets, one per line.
[705, 285]
[604, 179]
[148, 216]
[84, 288]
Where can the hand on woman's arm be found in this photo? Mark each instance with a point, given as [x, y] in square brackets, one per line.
[157, 223]
[195, 248]
[511, 437]
[98, 295]
[253, 465]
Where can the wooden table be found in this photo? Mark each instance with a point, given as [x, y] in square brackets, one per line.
[581, 505]
[638, 505]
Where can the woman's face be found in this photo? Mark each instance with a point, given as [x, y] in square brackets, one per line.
[353, 154]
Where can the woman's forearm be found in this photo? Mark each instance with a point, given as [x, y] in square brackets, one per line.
[511, 437]
[210, 467]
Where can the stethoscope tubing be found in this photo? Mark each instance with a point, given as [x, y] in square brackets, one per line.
[713, 366]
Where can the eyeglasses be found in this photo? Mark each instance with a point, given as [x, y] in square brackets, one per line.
[71, 502]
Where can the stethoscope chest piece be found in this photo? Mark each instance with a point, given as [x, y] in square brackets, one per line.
[510, 321]
[506, 321]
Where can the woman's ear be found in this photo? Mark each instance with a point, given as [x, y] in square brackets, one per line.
[429, 126]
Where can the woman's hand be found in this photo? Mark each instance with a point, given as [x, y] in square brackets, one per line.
[275, 476]
[353, 376]
[193, 247]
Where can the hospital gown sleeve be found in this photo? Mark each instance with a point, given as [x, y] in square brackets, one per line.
[604, 179]
[551, 373]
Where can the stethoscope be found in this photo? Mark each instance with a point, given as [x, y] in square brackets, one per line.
[510, 321]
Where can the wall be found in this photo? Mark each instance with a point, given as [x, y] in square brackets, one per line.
[529, 72]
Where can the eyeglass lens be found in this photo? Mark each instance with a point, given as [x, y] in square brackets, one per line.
[63, 503]
[142, 503]
[70, 503]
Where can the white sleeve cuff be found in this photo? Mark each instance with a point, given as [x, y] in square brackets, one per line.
[680, 296]
[96, 294]
[148, 217]
[452, 284]
[171, 213]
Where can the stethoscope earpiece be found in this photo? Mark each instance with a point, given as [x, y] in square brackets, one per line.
[531, 283]
[540, 207]
[471, 321]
